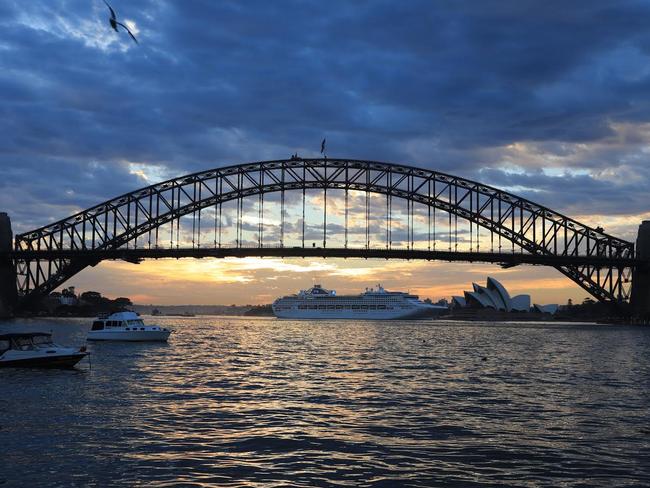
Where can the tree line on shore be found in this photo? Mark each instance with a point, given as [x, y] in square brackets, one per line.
[87, 304]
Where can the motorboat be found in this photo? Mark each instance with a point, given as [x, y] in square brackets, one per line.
[36, 349]
[126, 326]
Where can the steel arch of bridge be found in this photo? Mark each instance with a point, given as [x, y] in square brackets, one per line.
[46, 257]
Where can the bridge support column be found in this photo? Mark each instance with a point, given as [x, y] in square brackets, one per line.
[8, 296]
[641, 277]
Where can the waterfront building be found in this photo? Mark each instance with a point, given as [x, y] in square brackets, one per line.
[551, 308]
[494, 296]
[66, 297]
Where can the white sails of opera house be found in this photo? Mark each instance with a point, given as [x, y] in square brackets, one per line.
[374, 304]
[495, 296]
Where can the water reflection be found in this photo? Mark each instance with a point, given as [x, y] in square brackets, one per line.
[259, 402]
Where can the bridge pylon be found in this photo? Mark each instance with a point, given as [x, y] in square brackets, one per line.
[8, 295]
[640, 298]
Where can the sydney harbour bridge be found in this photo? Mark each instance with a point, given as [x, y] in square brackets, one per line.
[323, 208]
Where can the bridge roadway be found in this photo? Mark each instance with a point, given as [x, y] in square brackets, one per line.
[139, 254]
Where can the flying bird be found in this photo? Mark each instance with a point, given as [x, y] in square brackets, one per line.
[114, 23]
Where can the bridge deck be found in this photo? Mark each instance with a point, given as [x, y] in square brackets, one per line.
[510, 259]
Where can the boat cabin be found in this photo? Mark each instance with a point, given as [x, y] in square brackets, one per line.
[25, 341]
[121, 320]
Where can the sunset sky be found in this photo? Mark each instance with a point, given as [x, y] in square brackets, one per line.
[547, 99]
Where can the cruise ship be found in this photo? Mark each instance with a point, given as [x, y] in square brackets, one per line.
[373, 304]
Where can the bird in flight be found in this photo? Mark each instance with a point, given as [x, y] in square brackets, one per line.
[114, 23]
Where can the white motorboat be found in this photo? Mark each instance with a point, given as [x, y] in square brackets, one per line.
[36, 349]
[126, 326]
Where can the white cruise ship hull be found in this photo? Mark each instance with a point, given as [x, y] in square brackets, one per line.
[424, 312]
[317, 303]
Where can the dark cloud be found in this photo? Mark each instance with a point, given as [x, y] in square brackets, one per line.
[447, 85]
[576, 193]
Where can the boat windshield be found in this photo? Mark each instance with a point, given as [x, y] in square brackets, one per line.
[23, 343]
[135, 323]
[42, 340]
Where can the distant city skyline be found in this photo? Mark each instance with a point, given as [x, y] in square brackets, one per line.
[546, 100]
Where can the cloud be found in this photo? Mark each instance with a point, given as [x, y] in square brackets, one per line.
[549, 99]
[256, 281]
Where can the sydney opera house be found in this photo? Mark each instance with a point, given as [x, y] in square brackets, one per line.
[494, 296]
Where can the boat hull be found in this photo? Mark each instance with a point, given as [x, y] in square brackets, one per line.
[129, 335]
[413, 314]
[49, 361]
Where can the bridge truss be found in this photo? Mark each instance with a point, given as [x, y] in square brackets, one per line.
[192, 216]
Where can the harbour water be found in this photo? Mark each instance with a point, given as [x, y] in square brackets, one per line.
[260, 402]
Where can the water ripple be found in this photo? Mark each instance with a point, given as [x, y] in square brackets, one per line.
[257, 402]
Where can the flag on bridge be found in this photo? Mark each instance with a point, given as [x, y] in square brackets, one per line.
[322, 146]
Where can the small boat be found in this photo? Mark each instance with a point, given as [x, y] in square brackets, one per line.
[36, 349]
[126, 326]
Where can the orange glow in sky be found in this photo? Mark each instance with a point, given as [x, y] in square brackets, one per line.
[261, 280]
